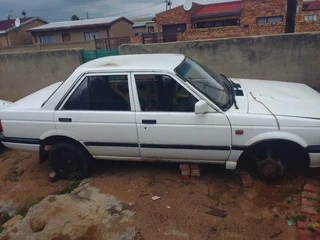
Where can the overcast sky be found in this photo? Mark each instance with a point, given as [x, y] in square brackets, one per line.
[61, 10]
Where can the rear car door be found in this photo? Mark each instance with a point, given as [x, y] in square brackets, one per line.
[169, 129]
[99, 112]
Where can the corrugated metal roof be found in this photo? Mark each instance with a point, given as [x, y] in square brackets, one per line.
[78, 23]
[311, 6]
[219, 9]
[141, 24]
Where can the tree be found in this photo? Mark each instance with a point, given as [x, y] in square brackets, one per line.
[74, 17]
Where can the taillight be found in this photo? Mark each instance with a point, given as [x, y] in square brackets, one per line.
[1, 129]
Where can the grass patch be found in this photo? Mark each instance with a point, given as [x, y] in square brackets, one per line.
[297, 218]
[73, 185]
[4, 217]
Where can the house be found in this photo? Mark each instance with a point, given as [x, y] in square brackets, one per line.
[10, 35]
[143, 25]
[83, 30]
[225, 19]
[308, 16]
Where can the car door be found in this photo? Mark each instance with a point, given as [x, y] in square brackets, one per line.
[100, 113]
[168, 127]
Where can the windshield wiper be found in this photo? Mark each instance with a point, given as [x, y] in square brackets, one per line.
[232, 91]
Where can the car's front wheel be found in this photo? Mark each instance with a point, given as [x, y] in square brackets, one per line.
[69, 160]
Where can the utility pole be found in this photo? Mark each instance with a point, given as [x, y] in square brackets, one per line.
[166, 5]
[87, 15]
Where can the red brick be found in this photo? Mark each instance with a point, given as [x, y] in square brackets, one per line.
[185, 173]
[302, 225]
[315, 218]
[246, 179]
[308, 210]
[195, 178]
[186, 178]
[184, 166]
[194, 166]
[310, 202]
[304, 234]
[313, 182]
[310, 195]
[311, 188]
[195, 173]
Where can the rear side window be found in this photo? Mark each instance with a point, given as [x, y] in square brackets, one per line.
[101, 93]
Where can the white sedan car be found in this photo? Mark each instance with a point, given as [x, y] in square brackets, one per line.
[165, 107]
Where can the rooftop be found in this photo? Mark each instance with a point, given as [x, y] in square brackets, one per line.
[138, 62]
[96, 22]
[141, 23]
[216, 9]
[8, 25]
[311, 6]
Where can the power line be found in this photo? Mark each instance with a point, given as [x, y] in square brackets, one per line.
[110, 15]
[134, 10]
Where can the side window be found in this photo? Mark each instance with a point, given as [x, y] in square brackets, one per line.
[101, 93]
[164, 94]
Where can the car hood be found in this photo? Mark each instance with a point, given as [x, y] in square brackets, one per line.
[281, 98]
[4, 104]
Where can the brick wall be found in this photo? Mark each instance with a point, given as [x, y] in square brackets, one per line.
[176, 15]
[212, 33]
[136, 40]
[252, 9]
[303, 26]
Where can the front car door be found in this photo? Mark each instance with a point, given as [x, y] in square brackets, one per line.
[169, 129]
[99, 112]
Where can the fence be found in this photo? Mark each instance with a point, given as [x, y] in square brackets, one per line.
[88, 55]
[111, 43]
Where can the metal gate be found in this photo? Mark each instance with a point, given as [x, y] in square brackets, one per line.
[88, 55]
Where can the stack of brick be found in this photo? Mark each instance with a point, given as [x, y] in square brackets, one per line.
[190, 171]
[310, 205]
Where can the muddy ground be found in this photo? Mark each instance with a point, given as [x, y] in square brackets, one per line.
[259, 212]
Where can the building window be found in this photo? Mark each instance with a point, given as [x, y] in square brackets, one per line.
[150, 29]
[46, 39]
[263, 20]
[312, 17]
[221, 23]
[91, 36]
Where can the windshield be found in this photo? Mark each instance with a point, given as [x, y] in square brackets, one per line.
[213, 86]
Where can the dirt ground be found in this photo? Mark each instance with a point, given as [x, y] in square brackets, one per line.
[259, 212]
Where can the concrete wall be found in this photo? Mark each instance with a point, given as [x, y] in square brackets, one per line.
[86, 45]
[291, 57]
[23, 73]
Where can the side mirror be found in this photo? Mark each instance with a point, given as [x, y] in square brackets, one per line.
[201, 107]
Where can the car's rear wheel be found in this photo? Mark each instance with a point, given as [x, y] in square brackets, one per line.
[70, 161]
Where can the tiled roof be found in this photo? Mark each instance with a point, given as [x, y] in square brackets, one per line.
[311, 6]
[78, 24]
[219, 9]
[7, 24]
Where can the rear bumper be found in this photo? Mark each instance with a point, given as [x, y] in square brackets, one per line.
[27, 144]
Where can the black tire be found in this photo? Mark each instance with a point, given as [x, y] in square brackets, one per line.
[270, 169]
[70, 161]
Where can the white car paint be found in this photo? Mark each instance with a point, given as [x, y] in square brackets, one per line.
[4, 104]
[267, 110]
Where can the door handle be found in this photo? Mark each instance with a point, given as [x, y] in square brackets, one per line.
[65, 120]
[149, 121]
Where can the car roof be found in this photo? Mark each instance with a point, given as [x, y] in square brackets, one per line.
[137, 62]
